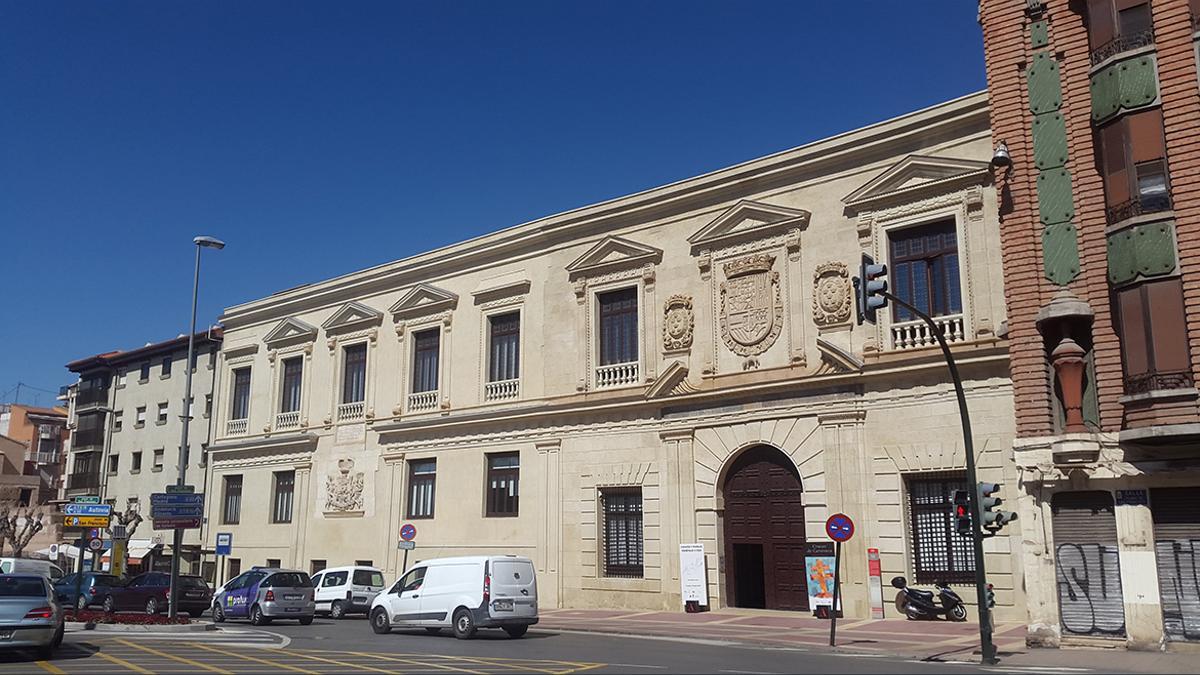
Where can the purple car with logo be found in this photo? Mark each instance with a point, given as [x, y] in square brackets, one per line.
[263, 594]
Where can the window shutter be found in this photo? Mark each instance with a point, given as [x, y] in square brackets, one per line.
[1164, 299]
[1101, 21]
[1133, 331]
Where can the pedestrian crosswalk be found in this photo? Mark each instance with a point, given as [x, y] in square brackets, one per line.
[230, 637]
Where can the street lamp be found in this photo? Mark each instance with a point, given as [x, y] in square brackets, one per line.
[177, 541]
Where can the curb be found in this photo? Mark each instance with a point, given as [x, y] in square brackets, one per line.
[77, 627]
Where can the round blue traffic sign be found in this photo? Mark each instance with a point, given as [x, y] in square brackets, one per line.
[408, 532]
[839, 527]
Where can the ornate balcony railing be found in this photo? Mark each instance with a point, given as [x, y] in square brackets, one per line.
[287, 420]
[916, 334]
[236, 427]
[501, 390]
[1152, 203]
[424, 400]
[617, 375]
[1122, 43]
[1148, 382]
[349, 412]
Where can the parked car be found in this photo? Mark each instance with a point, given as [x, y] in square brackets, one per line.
[31, 566]
[263, 594]
[95, 588]
[347, 590]
[463, 594]
[30, 616]
[151, 593]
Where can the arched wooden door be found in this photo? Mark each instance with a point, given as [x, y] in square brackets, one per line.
[764, 532]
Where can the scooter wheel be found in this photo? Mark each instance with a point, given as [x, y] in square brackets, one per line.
[959, 613]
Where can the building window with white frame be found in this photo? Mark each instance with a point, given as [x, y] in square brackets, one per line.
[621, 528]
[503, 489]
[285, 488]
[231, 502]
[426, 362]
[289, 396]
[354, 382]
[504, 356]
[240, 411]
[422, 480]
[162, 414]
[924, 272]
[618, 337]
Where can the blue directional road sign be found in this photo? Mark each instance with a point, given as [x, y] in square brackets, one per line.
[224, 543]
[176, 499]
[88, 510]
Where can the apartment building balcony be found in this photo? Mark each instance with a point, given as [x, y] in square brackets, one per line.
[287, 420]
[86, 438]
[237, 427]
[617, 375]
[917, 334]
[1139, 205]
[91, 397]
[421, 401]
[501, 390]
[1121, 44]
[86, 480]
[351, 412]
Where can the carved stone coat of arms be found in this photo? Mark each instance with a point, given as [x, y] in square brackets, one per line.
[678, 323]
[831, 294]
[751, 305]
[344, 490]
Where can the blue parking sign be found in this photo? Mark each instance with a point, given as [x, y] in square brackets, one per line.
[224, 543]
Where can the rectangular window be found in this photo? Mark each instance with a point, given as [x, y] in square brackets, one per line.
[117, 421]
[422, 476]
[618, 326]
[113, 464]
[285, 487]
[924, 270]
[354, 379]
[315, 566]
[231, 502]
[241, 394]
[208, 405]
[135, 466]
[1153, 331]
[162, 413]
[940, 553]
[25, 497]
[1116, 26]
[122, 377]
[1132, 161]
[503, 484]
[140, 420]
[144, 376]
[293, 372]
[158, 460]
[166, 367]
[504, 347]
[622, 529]
[273, 563]
[426, 348]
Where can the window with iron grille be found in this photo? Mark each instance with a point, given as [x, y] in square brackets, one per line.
[504, 356]
[231, 513]
[422, 477]
[622, 528]
[618, 326]
[503, 491]
[924, 270]
[241, 394]
[354, 379]
[285, 487]
[940, 553]
[426, 345]
[293, 375]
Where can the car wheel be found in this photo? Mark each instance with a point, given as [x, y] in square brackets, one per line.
[218, 613]
[257, 617]
[433, 631]
[306, 620]
[81, 603]
[464, 624]
[337, 610]
[380, 622]
[152, 606]
[516, 631]
[110, 605]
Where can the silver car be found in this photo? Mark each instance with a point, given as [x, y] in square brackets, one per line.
[30, 616]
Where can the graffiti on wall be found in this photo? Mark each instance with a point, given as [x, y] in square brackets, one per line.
[1089, 589]
[1179, 585]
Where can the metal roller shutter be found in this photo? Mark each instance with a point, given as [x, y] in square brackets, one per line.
[1087, 566]
[1176, 545]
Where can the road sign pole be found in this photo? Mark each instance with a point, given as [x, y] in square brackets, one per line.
[837, 586]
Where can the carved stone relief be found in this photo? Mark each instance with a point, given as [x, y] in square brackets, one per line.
[678, 323]
[832, 299]
[344, 490]
[751, 305]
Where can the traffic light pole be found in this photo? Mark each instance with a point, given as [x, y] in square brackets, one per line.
[987, 648]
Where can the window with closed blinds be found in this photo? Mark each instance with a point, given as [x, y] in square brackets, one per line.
[1153, 332]
[924, 270]
[293, 376]
[422, 477]
[1133, 154]
[241, 394]
[940, 553]
[503, 492]
[354, 377]
[618, 326]
[622, 528]
[285, 488]
[426, 345]
[504, 352]
[231, 511]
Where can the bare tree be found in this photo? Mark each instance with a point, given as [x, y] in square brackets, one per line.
[19, 525]
[130, 519]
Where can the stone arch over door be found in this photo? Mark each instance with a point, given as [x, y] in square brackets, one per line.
[764, 530]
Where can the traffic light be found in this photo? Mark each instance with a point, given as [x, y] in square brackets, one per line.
[993, 518]
[991, 597]
[962, 512]
[867, 286]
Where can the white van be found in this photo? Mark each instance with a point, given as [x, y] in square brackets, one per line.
[463, 594]
[44, 568]
[347, 590]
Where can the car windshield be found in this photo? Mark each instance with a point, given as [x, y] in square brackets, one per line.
[21, 587]
[290, 580]
[192, 582]
[368, 578]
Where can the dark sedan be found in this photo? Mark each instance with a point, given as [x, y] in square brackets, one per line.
[150, 593]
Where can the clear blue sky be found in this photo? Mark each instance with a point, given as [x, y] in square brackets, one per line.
[321, 138]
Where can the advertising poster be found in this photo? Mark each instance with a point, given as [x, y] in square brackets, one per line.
[692, 578]
[818, 570]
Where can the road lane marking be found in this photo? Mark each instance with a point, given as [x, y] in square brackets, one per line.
[417, 663]
[273, 664]
[122, 662]
[50, 668]
[344, 664]
[180, 659]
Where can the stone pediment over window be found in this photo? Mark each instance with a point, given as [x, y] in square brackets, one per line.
[747, 221]
[423, 300]
[291, 330]
[513, 284]
[351, 316]
[917, 176]
[611, 254]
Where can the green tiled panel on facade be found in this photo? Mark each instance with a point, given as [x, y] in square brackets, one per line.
[1060, 253]
[1147, 250]
[1049, 140]
[1045, 92]
[1055, 202]
[1124, 85]
[1039, 34]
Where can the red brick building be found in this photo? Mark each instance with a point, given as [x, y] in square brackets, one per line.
[1098, 102]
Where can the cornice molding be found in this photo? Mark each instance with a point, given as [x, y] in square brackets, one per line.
[748, 221]
[352, 315]
[288, 330]
[936, 175]
[612, 254]
[423, 300]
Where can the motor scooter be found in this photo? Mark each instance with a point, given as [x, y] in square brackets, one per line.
[920, 604]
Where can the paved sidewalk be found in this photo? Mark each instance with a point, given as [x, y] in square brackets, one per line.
[923, 640]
